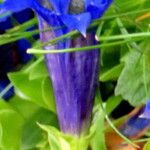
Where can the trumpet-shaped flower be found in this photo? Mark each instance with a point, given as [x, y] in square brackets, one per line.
[74, 75]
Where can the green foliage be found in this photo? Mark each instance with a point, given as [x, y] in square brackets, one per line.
[60, 141]
[31, 134]
[97, 129]
[34, 89]
[134, 81]
[28, 120]
[18, 124]
[147, 146]
[38, 71]
[30, 89]
[11, 124]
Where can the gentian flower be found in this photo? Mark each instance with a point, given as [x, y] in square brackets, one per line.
[135, 126]
[74, 75]
[146, 112]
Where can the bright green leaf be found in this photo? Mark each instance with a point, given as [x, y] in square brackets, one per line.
[30, 89]
[48, 95]
[112, 103]
[97, 130]
[38, 71]
[60, 141]
[11, 126]
[111, 74]
[23, 107]
[32, 134]
[147, 146]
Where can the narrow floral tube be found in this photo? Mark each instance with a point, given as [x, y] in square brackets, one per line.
[74, 75]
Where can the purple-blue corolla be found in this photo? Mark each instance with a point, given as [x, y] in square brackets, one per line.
[136, 124]
[74, 75]
[146, 112]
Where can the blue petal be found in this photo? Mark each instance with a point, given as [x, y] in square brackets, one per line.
[56, 5]
[97, 7]
[146, 113]
[60, 6]
[45, 13]
[135, 125]
[10, 6]
[64, 5]
[79, 22]
[96, 3]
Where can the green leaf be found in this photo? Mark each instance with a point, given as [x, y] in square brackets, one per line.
[24, 107]
[1, 133]
[147, 146]
[112, 103]
[134, 82]
[130, 5]
[111, 74]
[32, 113]
[54, 142]
[28, 89]
[38, 71]
[11, 124]
[32, 134]
[60, 141]
[53, 136]
[48, 96]
[97, 141]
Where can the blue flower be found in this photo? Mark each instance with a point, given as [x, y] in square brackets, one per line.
[135, 125]
[93, 10]
[146, 112]
[74, 75]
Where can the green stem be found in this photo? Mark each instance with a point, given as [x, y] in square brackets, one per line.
[86, 48]
[111, 124]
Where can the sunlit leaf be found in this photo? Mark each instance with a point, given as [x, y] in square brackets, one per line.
[31, 89]
[47, 93]
[11, 124]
